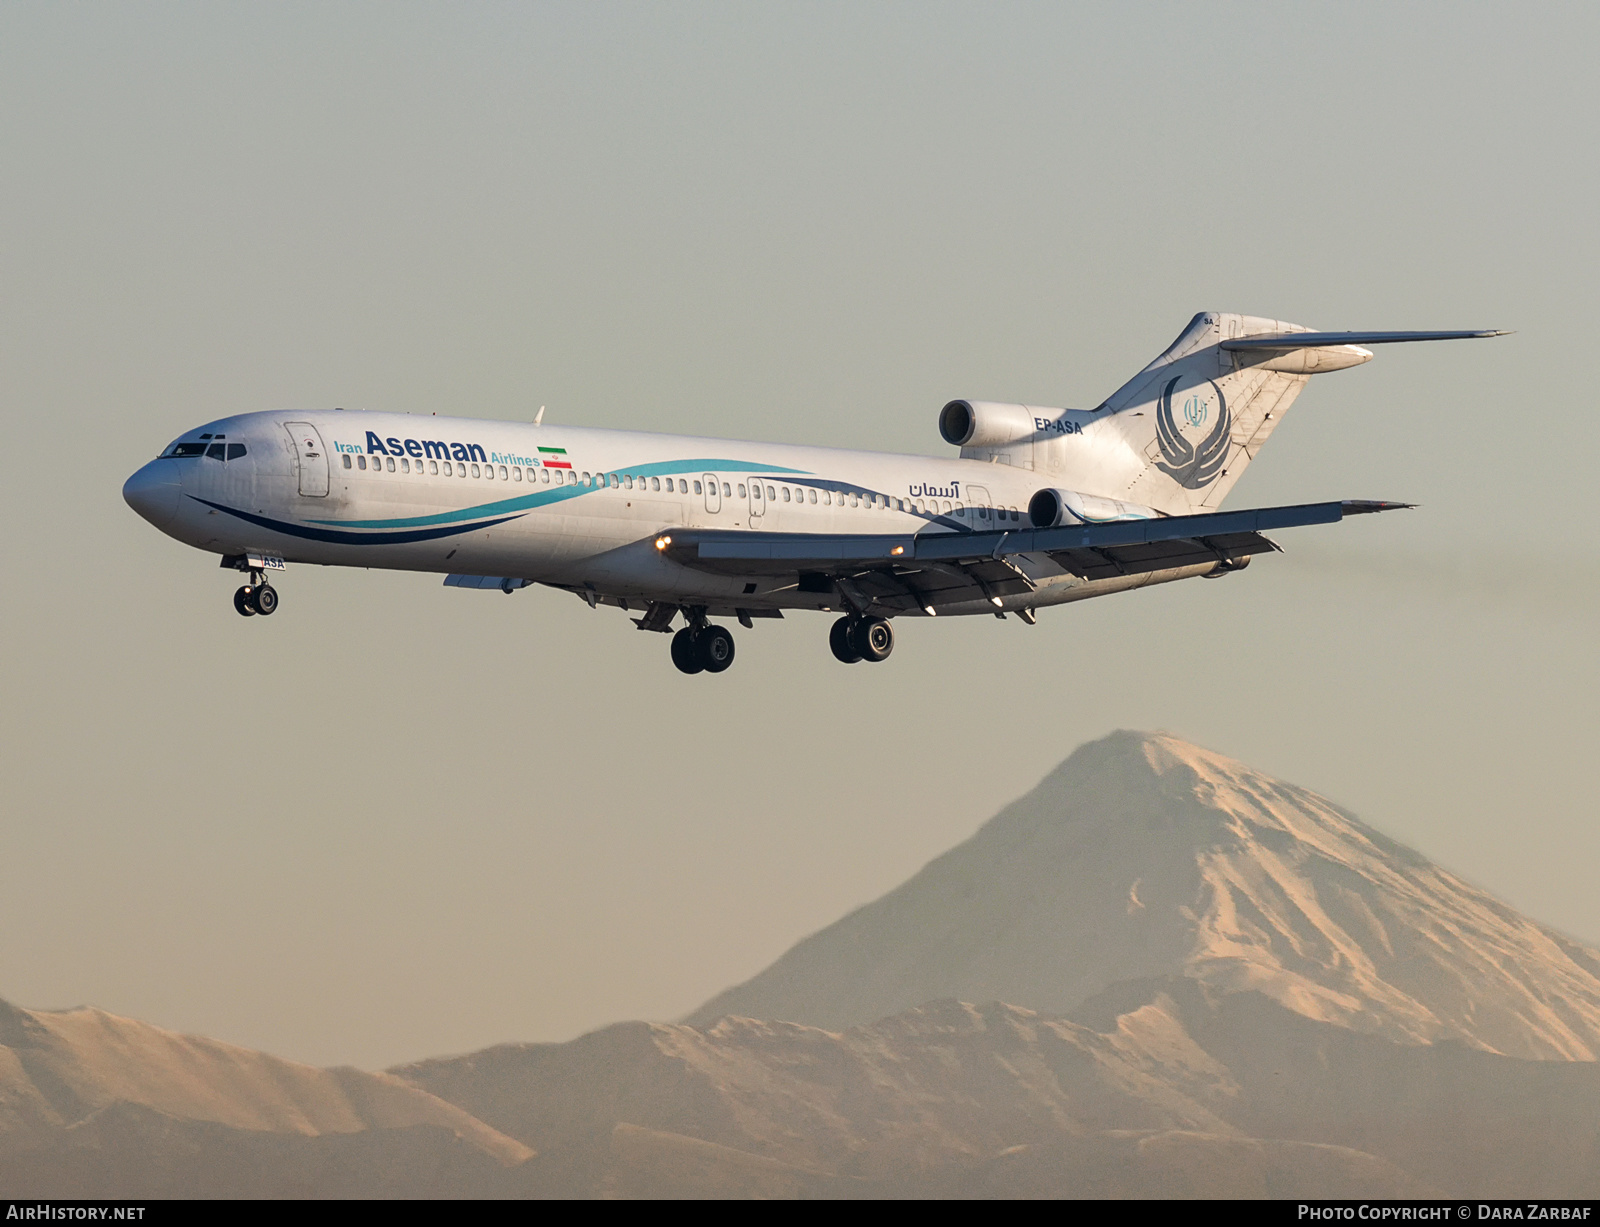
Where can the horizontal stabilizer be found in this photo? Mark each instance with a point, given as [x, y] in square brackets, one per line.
[1318, 340]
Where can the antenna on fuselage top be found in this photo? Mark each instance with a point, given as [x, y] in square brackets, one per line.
[539, 417]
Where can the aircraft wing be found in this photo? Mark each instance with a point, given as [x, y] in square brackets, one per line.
[928, 570]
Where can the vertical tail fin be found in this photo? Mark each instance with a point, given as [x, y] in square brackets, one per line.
[1197, 415]
[1190, 422]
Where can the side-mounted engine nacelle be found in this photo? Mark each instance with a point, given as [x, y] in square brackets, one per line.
[1053, 508]
[986, 423]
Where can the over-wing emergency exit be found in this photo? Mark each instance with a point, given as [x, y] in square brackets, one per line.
[1040, 507]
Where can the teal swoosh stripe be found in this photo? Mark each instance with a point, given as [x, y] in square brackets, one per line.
[527, 502]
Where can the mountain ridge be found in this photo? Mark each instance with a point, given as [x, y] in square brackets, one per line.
[1164, 974]
[58, 1068]
[1142, 855]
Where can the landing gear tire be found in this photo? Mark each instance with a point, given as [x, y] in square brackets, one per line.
[242, 602]
[715, 648]
[264, 600]
[685, 652]
[873, 638]
[839, 639]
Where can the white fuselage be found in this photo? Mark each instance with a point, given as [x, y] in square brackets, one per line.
[571, 507]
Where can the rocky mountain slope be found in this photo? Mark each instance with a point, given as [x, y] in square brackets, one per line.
[1157, 1088]
[88, 1094]
[1220, 985]
[1142, 855]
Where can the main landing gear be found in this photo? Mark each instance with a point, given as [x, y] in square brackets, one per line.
[858, 639]
[704, 647]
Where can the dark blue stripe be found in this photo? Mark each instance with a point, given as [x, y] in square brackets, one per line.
[824, 483]
[338, 537]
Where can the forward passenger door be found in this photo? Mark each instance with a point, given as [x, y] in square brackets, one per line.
[313, 458]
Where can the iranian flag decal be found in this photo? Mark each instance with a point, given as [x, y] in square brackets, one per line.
[553, 458]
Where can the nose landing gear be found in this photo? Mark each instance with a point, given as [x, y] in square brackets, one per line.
[704, 647]
[255, 599]
[858, 639]
[258, 596]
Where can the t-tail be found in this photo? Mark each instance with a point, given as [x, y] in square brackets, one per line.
[1196, 416]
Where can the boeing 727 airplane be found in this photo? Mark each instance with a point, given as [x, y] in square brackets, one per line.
[1041, 507]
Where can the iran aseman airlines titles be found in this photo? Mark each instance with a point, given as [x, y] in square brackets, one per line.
[1040, 507]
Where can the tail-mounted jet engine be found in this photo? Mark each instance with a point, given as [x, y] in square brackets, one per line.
[983, 423]
[1053, 508]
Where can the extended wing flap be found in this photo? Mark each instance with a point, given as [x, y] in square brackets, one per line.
[1110, 561]
[1094, 550]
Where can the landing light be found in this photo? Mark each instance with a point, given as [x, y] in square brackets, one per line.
[996, 602]
[899, 549]
[663, 542]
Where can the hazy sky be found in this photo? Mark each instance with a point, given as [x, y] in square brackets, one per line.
[397, 820]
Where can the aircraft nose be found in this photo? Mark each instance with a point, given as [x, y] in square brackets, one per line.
[153, 492]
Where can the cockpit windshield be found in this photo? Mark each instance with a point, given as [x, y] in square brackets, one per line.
[214, 449]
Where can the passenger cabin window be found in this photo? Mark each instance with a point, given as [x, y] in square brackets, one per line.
[391, 464]
[346, 460]
[697, 488]
[503, 474]
[361, 462]
[516, 473]
[405, 465]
